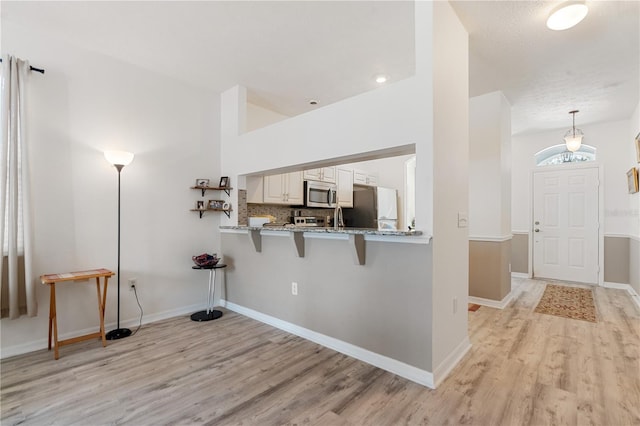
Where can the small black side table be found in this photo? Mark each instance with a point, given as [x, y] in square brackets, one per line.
[210, 313]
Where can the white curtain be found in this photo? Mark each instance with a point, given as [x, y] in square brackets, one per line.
[15, 208]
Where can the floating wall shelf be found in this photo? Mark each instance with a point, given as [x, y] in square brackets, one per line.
[213, 188]
[204, 189]
[201, 211]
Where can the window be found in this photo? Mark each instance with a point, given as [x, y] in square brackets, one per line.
[558, 154]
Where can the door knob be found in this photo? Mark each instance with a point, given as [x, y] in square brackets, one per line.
[537, 230]
[537, 223]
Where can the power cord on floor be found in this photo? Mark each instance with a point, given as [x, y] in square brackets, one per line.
[135, 291]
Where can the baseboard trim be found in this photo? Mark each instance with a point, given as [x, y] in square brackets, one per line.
[422, 377]
[442, 371]
[634, 296]
[36, 345]
[498, 304]
[519, 275]
[488, 238]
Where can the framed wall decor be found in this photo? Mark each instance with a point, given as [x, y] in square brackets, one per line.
[202, 183]
[199, 205]
[224, 182]
[632, 180]
[216, 204]
[638, 148]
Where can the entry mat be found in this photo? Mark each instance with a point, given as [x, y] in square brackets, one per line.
[473, 307]
[567, 302]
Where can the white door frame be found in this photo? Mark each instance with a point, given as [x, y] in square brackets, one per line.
[572, 166]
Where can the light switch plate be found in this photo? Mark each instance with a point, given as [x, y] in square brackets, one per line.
[463, 219]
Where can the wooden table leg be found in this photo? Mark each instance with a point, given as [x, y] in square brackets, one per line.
[55, 321]
[51, 310]
[101, 305]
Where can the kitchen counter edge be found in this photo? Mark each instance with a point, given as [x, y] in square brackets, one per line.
[324, 230]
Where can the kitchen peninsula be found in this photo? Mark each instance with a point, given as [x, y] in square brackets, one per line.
[355, 236]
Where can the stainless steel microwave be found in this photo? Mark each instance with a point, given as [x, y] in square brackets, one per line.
[320, 194]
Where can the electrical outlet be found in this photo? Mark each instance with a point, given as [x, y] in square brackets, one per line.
[294, 288]
[133, 282]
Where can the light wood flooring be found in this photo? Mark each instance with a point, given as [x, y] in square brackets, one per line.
[524, 368]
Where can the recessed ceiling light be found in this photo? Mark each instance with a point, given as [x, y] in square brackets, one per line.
[313, 102]
[381, 79]
[567, 15]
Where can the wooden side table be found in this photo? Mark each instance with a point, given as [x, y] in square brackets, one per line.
[51, 280]
[210, 313]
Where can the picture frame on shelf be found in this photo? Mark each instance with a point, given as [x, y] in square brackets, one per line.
[200, 205]
[638, 148]
[216, 204]
[202, 183]
[224, 182]
[632, 180]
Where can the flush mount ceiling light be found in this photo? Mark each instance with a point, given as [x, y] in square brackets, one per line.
[573, 137]
[567, 15]
[381, 79]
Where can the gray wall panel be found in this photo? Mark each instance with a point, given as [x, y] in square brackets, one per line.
[383, 306]
[520, 253]
[489, 275]
[616, 260]
[634, 264]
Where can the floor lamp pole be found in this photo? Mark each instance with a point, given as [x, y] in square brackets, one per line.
[118, 333]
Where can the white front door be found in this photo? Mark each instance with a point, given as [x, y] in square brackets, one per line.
[565, 224]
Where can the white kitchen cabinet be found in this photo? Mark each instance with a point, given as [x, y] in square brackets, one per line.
[255, 189]
[344, 181]
[322, 174]
[362, 177]
[295, 188]
[287, 189]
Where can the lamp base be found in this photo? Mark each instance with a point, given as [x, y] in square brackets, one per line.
[206, 316]
[118, 333]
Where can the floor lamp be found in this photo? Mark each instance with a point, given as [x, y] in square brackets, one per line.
[119, 159]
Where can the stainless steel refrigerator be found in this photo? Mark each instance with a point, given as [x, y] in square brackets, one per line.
[373, 207]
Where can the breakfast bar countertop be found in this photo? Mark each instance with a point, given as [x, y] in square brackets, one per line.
[357, 237]
[327, 230]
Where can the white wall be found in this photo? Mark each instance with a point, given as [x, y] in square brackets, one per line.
[381, 119]
[634, 207]
[634, 199]
[490, 166]
[611, 141]
[450, 184]
[403, 113]
[84, 104]
[258, 117]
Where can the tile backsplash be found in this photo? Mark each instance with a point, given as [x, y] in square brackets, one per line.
[242, 207]
[281, 213]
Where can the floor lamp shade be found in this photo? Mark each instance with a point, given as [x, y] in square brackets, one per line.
[119, 159]
[122, 158]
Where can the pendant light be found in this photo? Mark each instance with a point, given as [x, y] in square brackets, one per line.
[573, 137]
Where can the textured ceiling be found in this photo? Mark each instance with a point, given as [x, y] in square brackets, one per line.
[593, 67]
[286, 53]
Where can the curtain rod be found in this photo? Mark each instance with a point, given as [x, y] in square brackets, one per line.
[40, 70]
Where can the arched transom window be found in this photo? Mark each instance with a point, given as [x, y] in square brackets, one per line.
[558, 154]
